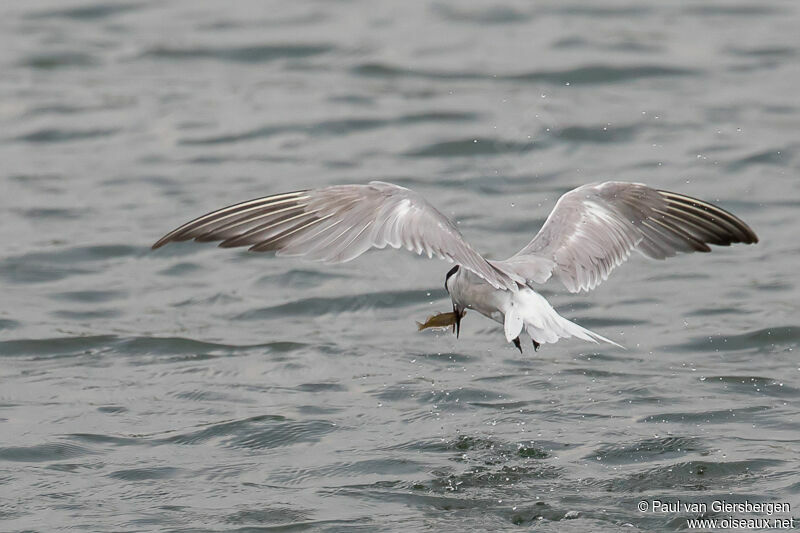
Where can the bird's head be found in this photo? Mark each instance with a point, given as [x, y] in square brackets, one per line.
[459, 311]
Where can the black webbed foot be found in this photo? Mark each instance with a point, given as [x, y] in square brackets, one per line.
[535, 345]
[517, 344]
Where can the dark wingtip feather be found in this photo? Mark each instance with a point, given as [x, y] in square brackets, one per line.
[730, 228]
[190, 230]
[173, 236]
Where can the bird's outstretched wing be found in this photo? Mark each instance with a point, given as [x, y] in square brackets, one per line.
[339, 223]
[594, 229]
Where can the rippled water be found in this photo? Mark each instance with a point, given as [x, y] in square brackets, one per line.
[194, 388]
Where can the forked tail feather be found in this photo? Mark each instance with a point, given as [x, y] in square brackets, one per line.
[531, 311]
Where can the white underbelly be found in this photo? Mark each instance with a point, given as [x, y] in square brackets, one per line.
[484, 299]
[519, 310]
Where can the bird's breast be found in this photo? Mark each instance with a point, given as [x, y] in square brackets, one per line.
[472, 292]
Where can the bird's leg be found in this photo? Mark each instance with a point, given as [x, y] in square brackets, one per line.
[517, 344]
[535, 345]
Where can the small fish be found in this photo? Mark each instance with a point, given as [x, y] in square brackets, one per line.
[439, 321]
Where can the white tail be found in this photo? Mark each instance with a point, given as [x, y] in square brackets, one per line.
[530, 309]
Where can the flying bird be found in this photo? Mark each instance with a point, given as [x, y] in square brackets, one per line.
[592, 230]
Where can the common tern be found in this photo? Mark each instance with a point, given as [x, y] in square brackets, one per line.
[592, 230]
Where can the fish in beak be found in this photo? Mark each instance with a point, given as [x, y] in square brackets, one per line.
[444, 320]
[438, 321]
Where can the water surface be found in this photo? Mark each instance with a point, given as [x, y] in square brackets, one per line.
[198, 389]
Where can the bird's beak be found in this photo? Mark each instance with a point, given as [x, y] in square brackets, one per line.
[459, 315]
